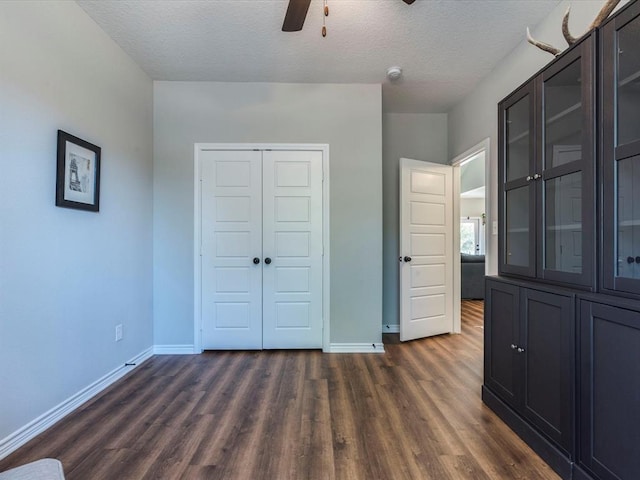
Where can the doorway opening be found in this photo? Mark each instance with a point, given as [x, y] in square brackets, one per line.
[471, 208]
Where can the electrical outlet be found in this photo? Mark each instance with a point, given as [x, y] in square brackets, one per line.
[118, 332]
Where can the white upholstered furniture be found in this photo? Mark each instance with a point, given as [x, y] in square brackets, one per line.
[45, 469]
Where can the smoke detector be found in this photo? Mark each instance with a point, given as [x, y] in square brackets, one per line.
[394, 73]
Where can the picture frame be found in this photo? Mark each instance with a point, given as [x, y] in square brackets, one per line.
[78, 173]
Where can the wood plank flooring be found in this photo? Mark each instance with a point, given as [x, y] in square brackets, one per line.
[412, 413]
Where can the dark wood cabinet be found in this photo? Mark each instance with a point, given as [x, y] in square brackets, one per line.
[502, 334]
[546, 172]
[549, 344]
[562, 325]
[529, 351]
[620, 54]
[609, 389]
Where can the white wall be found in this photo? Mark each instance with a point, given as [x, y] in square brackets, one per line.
[347, 117]
[471, 207]
[472, 173]
[67, 277]
[408, 135]
[476, 118]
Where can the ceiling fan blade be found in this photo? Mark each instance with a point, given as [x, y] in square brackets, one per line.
[409, 2]
[296, 13]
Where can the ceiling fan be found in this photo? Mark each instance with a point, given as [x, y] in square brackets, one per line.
[297, 12]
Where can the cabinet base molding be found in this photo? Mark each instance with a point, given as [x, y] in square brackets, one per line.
[553, 456]
[580, 474]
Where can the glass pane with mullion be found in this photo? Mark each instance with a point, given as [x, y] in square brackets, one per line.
[563, 116]
[628, 83]
[518, 136]
[517, 227]
[563, 223]
[628, 217]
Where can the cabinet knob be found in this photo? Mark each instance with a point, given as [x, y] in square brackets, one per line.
[529, 178]
[513, 347]
[537, 176]
[520, 350]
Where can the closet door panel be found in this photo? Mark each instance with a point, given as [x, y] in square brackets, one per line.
[231, 210]
[292, 240]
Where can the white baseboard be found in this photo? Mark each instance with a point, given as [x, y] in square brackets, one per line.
[174, 350]
[356, 348]
[46, 420]
[390, 328]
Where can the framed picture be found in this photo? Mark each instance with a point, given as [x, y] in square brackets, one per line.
[78, 178]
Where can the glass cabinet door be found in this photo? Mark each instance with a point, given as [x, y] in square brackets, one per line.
[517, 227]
[628, 83]
[566, 163]
[547, 134]
[621, 152]
[516, 242]
[628, 218]
[566, 144]
[518, 136]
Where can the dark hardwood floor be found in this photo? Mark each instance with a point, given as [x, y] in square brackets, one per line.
[412, 413]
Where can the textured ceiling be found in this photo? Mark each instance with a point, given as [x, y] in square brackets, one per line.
[445, 47]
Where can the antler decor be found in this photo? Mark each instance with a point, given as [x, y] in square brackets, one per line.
[604, 13]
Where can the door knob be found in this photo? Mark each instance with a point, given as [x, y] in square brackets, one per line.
[256, 260]
[630, 259]
[267, 261]
[407, 259]
[637, 259]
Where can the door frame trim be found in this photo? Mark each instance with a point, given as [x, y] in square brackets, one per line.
[197, 230]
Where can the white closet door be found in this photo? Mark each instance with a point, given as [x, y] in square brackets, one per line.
[231, 210]
[292, 240]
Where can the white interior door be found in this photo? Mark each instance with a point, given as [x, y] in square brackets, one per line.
[262, 249]
[426, 249]
[292, 239]
[231, 219]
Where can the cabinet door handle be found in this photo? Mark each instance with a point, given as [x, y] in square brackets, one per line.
[520, 350]
[529, 178]
[537, 176]
[513, 347]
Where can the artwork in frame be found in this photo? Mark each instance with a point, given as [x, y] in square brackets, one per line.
[78, 177]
